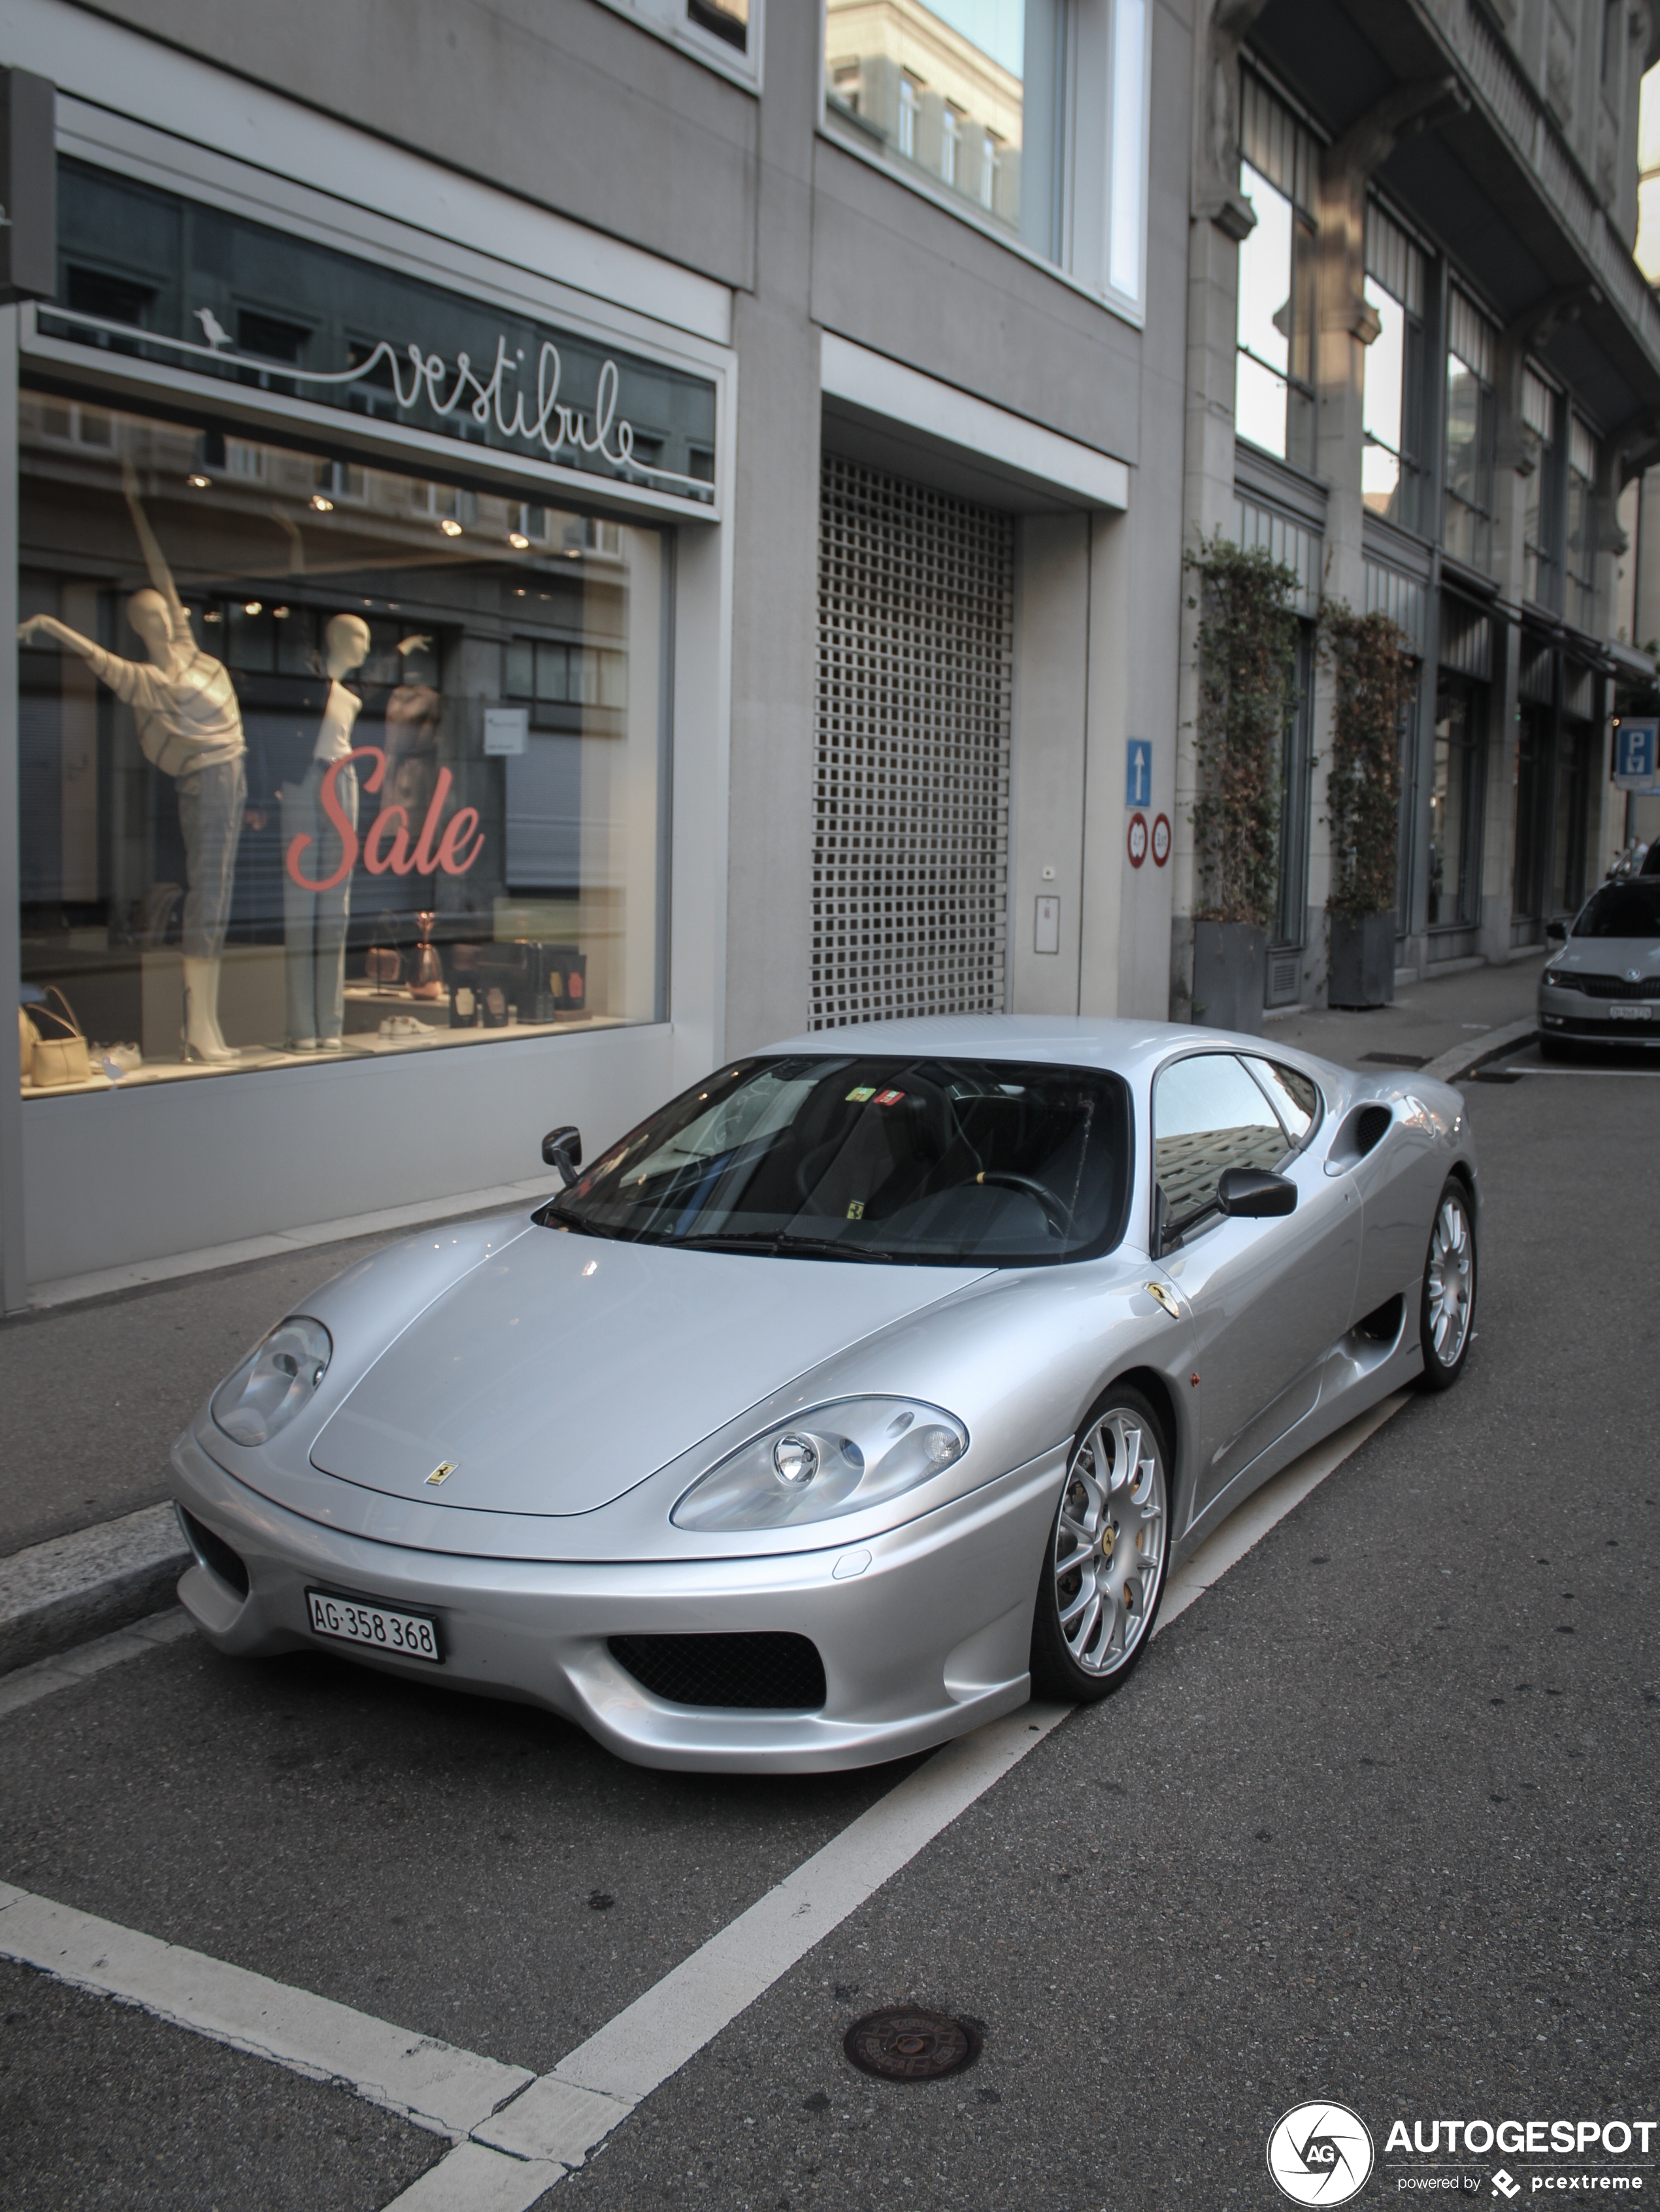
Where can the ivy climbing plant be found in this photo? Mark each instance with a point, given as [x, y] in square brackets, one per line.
[1247, 660]
[1376, 677]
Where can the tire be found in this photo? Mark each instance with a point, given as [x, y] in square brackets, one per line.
[1095, 1612]
[1446, 1306]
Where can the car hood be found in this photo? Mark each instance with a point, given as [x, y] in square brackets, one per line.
[564, 1370]
[1607, 956]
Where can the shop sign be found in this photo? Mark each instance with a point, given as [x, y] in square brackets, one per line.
[451, 845]
[207, 290]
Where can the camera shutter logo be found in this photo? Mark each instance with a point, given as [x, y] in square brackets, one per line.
[1320, 2154]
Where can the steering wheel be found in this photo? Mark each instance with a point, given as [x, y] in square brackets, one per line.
[1056, 1211]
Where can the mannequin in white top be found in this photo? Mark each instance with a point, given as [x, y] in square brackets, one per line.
[314, 922]
[190, 726]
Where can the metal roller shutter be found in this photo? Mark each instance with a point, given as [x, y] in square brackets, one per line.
[910, 816]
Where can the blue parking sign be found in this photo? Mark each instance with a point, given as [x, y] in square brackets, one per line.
[1634, 750]
[1138, 773]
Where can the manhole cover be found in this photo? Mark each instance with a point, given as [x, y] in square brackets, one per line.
[904, 2043]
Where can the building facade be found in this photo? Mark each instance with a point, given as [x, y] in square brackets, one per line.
[1424, 369]
[559, 547]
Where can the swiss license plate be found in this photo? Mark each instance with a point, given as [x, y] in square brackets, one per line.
[1631, 1013]
[408, 1635]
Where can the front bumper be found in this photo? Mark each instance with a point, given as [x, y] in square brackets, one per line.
[1599, 1021]
[927, 1641]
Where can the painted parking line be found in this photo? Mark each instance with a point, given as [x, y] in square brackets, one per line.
[433, 2084]
[517, 2135]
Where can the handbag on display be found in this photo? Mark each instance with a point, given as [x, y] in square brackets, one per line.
[60, 1055]
[382, 964]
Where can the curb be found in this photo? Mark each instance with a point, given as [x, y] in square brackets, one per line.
[1464, 1059]
[88, 1585]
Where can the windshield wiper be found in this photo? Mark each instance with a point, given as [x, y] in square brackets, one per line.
[782, 1245]
[553, 1210]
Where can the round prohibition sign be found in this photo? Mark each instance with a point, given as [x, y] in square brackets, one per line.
[1160, 839]
[1137, 838]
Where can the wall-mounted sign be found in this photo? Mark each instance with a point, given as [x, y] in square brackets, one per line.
[1138, 772]
[1635, 747]
[1160, 839]
[152, 274]
[452, 845]
[1137, 840]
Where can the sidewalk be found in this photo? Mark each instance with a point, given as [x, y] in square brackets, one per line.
[93, 1389]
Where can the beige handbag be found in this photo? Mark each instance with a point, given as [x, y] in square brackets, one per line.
[60, 1055]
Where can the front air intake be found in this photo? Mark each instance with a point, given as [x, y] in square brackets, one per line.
[766, 1672]
[214, 1553]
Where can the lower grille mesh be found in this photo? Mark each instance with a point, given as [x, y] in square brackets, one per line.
[767, 1671]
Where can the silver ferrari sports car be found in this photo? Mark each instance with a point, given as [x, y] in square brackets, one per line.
[859, 1394]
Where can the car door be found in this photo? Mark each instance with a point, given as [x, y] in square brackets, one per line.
[1268, 1298]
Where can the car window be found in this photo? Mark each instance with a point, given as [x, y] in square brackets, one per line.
[1293, 1096]
[1628, 909]
[1207, 1115]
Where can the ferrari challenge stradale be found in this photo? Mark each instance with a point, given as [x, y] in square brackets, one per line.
[865, 1390]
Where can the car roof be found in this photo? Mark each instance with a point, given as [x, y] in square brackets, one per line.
[1060, 1040]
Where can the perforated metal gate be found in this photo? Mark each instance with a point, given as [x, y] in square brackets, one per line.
[910, 819]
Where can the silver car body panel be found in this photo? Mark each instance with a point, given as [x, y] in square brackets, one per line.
[554, 1535]
[1633, 960]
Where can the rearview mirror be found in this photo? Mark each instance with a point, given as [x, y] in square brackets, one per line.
[562, 1149]
[1556, 932]
[1254, 1195]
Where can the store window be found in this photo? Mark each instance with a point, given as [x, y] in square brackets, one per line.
[1029, 114]
[1581, 532]
[1394, 463]
[318, 758]
[1573, 813]
[725, 33]
[1541, 576]
[1455, 803]
[1273, 391]
[1466, 520]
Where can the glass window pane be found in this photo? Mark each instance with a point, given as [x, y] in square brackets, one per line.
[1207, 1115]
[1294, 1097]
[1385, 365]
[1264, 273]
[965, 89]
[259, 817]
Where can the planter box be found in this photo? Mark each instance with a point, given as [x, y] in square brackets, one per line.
[1230, 975]
[1362, 967]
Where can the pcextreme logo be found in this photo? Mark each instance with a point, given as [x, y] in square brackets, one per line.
[1320, 2154]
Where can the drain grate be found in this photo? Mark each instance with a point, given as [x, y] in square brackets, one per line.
[904, 2043]
[1397, 1058]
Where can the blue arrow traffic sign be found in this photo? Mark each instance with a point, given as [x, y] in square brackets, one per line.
[1138, 773]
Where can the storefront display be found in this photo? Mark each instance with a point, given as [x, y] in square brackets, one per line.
[320, 757]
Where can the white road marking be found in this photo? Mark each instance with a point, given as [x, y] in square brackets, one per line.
[68, 1667]
[1642, 1074]
[437, 2087]
[520, 2135]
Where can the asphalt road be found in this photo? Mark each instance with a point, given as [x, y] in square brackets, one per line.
[1375, 1821]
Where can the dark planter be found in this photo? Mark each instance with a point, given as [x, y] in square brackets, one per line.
[1362, 968]
[1230, 975]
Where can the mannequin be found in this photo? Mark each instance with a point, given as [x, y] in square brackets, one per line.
[314, 922]
[190, 726]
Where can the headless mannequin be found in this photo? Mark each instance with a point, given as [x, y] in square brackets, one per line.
[190, 726]
[314, 922]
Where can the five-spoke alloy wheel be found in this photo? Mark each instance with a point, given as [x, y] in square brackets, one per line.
[1103, 1573]
[1448, 1307]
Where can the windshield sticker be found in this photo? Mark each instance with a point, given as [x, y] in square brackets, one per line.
[888, 1097]
[856, 1209]
[866, 1090]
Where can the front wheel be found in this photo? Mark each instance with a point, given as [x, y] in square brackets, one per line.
[1104, 1571]
[1447, 1308]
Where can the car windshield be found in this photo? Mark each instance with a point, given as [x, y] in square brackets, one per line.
[867, 1156]
[1627, 910]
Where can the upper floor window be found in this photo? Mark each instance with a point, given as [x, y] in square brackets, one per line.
[1468, 508]
[725, 33]
[1394, 465]
[1581, 535]
[1026, 114]
[1274, 386]
[1542, 563]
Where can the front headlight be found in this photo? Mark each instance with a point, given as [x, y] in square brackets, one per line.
[836, 1460]
[274, 1382]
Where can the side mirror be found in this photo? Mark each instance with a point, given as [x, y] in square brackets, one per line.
[1556, 932]
[1254, 1195]
[562, 1149]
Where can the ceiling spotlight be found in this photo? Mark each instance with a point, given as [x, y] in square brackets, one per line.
[199, 483]
[519, 591]
[252, 607]
[322, 505]
[518, 542]
[450, 529]
[280, 614]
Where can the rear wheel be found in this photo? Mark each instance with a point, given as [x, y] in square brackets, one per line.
[1104, 1571]
[1447, 1310]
